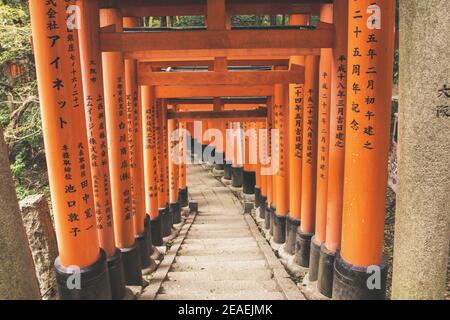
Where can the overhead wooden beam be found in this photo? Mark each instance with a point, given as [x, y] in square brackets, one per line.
[208, 91]
[257, 114]
[209, 107]
[210, 63]
[271, 40]
[225, 101]
[243, 78]
[231, 54]
[143, 8]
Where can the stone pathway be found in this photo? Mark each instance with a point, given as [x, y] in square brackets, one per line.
[223, 256]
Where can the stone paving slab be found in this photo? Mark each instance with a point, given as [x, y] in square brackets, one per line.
[220, 255]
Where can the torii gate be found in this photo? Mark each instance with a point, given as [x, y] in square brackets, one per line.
[115, 195]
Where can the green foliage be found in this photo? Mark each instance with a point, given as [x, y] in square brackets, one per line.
[189, 21]
[19, 107]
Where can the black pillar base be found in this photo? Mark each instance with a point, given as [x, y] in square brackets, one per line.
[148, 234]
[166, 221]
[291, 234]
[116, 276]
[248, 182]
[211, 155]
[237, 176]
[92, 284]
[351, 282]
[219, 160]
[314, 257]
[203, 157]
[279, 229]
[262, 207]
[273, 213]
[142, 243]
[176, 212]
[131, 258]
[302, 248]
[227, 171]
[156, 229]
[193, 144]
[257, 197]
[268, 213]
[183, 197]
[326, 271]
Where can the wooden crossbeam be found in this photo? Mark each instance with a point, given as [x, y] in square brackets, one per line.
[243, 78]
[210, 107]
[152, 55]
[208, 91]
[224, 41]
[143, 8]
[232, 115]
[284, 61]
[225, 101]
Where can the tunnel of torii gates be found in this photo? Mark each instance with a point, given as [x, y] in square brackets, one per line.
[113, 93]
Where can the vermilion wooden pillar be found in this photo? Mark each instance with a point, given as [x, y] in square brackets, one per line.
[281, 102]
[257, 167]
[269, 175]
[119, 153]
[166, 164]
[91, 63]
[228, 152]
[174, 160]
[166, 216]
[274, 160]
[204, 140]
[308, 201]
[336, 149]
[133, 104]
[211, 143]
[296, 104]
[369, 94]
[67, 152]
[323, 130]
[238, 156]
[151, 155]
[220, 147]
[182, 185]
[248, 173]
[157, 223]
[262, 160]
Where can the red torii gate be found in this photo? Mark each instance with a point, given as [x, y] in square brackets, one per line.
[75, 115]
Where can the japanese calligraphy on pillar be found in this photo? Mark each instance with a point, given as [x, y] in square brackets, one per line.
[95, 116]
[298, 115]
[324, 115]
[365, 26]
[150, 152]
[340, 99]
[64, 127]
[124, 150]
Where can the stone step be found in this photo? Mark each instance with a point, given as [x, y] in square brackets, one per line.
[221, 257]
[218, 228]
[220, 222]
[228, 296]
[216, 251]
[218, 287]
[229, 266]
[212, 242]
[230, 232]
[232, 213]
[215, 236]
[257, 274]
